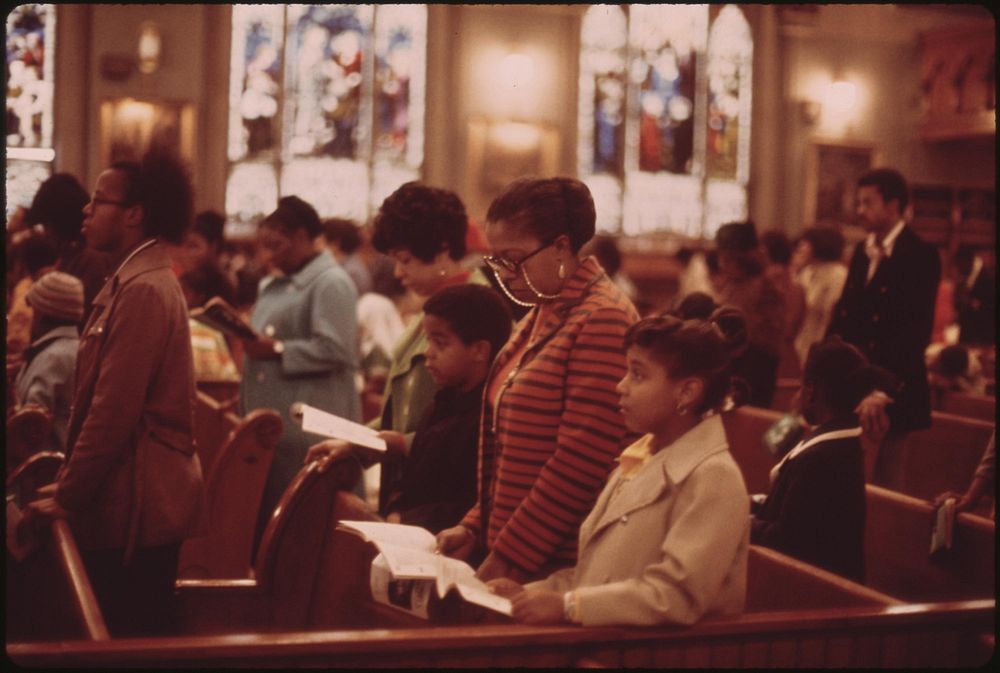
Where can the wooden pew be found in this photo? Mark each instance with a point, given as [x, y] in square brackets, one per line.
[36, 471]
[940, 458]
[745, 428]
[897, 545]
[776, 581]
[213, 421]
[872, 631]
[49, 595]
[233, 491]
[29, 430]
[227, 393]
[279, 591]
[937, 635]
[980, 407]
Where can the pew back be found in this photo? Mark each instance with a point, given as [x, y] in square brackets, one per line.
[212, 424]
[941, 635]
[745, 428]
[280, 591]
[36, 471]
[49, 595]
[940, 458]
[980, 407]
[779, 582]
[29, 431]
[897, 551]
[234, 489]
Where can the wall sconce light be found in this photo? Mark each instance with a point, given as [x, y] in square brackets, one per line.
[149, 48]
[840, 97]
[835, 104]
[517, 71]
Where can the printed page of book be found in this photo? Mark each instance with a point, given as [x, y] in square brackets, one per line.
[330, 425]
[408, 553]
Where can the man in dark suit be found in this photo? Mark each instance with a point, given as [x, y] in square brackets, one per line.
[975, 298]
[887, 305]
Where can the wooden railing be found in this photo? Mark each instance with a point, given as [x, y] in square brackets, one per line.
[941, 635]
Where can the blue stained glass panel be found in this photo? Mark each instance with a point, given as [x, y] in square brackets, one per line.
[255, 84]
[30, 74]
[324, 86]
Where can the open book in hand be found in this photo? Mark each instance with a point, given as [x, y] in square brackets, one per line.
[216, 313]
[320, 422]
[408, 570]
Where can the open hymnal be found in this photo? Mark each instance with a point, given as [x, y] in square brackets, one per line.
[324, 423]
[408, 572]
[216, 313]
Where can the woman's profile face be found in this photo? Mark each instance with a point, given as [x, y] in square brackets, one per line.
[517, 254]
[415, 274]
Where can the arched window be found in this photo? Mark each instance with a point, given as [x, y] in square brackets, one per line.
[676, 158]
[31, 33]
[327, 103]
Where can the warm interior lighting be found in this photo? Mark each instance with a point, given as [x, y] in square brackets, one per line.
[840, 98]
[515, 136]
[149, 48]
[517, 71]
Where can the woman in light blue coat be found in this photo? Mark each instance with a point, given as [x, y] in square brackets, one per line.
[307, 351]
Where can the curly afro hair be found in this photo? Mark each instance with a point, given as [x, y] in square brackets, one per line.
[422, 220]
[161, 184]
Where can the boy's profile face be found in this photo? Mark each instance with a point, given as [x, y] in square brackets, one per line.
[649, 395]
[450, 362]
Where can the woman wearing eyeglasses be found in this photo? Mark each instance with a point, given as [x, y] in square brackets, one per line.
[551, 426]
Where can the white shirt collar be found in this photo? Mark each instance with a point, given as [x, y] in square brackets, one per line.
[889, 242]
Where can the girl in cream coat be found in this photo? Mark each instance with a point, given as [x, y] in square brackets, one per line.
[667, 540]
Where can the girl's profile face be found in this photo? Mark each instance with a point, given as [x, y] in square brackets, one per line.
[649, 395]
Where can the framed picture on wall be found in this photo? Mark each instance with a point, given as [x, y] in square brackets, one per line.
[832, 172]
[129, 127]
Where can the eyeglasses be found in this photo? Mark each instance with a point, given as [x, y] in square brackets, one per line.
[499, 264]
[96, 201]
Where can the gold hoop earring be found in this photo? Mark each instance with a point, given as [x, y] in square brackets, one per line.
[681, 409]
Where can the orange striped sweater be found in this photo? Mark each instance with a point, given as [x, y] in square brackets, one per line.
[558, 427]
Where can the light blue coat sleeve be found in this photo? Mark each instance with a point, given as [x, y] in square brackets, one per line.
[331, 343]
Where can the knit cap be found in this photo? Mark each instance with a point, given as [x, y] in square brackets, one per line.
[57, 295]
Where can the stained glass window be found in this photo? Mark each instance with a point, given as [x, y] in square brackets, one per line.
[679, 160]
[727, 127]
[326, 102]
[30, 83]
[603, 83]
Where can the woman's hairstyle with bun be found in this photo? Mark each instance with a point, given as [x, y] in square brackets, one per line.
[547, 208]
